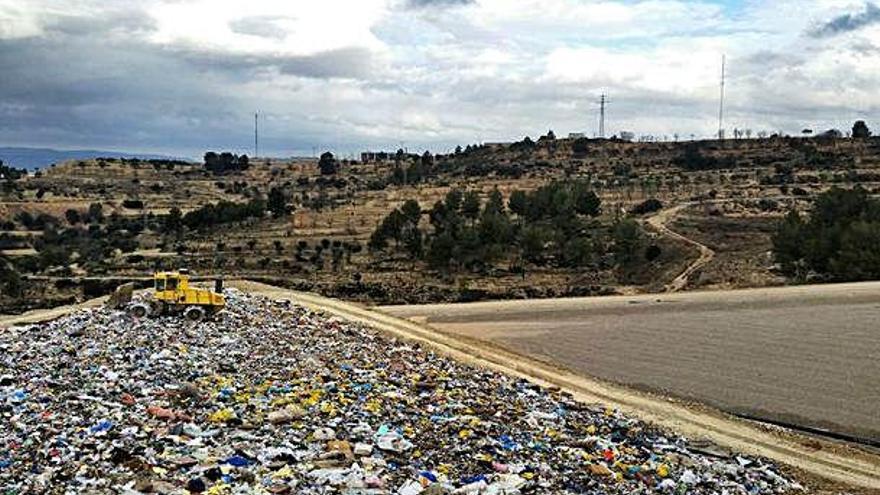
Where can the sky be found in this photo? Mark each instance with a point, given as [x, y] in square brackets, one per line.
[184, 76]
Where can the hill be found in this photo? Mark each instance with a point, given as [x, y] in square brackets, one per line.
[35, 158]
[545, 218]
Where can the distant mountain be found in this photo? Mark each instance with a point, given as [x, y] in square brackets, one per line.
[34, 158]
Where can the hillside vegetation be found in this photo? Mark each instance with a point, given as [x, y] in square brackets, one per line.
[535, 218]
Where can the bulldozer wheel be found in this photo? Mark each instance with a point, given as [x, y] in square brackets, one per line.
[139, 310]
[157, 308]
[194, 313]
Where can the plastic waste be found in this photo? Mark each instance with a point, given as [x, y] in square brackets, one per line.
[271, 397]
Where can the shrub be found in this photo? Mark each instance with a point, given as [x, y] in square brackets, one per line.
[693, 159]
[647, 206]
[860, 130]
[328, 164]
[224, 212]
[653, 252]
[225, 162]
[628, 241]
[580, 146]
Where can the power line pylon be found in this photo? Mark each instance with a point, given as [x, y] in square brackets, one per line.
[721, 102]
[256, 134]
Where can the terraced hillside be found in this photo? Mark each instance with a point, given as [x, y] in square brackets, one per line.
[318, 238]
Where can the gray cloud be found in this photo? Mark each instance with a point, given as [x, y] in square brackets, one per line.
[865, 48]
[263, 26]
[69, 91]
[346, 62]
[439, 79]
[847, 22]
[132, 22]
[419, 4]
[83, 87]
[350, 63]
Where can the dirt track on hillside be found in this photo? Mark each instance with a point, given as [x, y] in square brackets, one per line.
[659, 222]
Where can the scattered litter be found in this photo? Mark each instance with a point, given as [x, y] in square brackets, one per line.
[275, 398]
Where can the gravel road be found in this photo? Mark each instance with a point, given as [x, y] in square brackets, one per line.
[809, 355]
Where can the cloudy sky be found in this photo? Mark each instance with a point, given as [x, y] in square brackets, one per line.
[183, 76]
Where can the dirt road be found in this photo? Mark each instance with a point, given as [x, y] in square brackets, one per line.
[806, 355]
[39, 315]
[658, 222]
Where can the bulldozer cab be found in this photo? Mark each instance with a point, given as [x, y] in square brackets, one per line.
[169, 285]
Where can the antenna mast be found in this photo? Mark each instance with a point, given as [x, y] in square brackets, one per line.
[602, 116]
[721, 105]
[256, 134]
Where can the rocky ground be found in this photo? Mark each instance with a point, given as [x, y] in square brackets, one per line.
[274, 398]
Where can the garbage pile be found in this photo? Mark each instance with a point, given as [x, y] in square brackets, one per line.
[274, 398]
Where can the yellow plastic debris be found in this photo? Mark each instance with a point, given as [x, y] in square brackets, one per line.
[328, 408]
[283, 473]
[221, 416]
[373, 406]
[219, 489]
[662, 470]
[313, 399]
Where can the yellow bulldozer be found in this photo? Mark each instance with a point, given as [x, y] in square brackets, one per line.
[172, 295]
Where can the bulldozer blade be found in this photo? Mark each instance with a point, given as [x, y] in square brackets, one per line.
[120, 297]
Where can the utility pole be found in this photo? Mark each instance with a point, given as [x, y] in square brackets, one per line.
[602, 116]
[721, 104]
[256, 134]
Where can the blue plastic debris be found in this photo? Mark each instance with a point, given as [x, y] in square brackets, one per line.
[237, 461]
[507, 443]
[473, 479]
[101, 426]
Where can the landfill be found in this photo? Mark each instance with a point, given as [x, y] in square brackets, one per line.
[273, 398]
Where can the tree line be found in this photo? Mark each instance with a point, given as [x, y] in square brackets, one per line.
[92, 236]
[837, 240]
[215, 214]
[554, 225]
[225, 162]
[10, 174]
